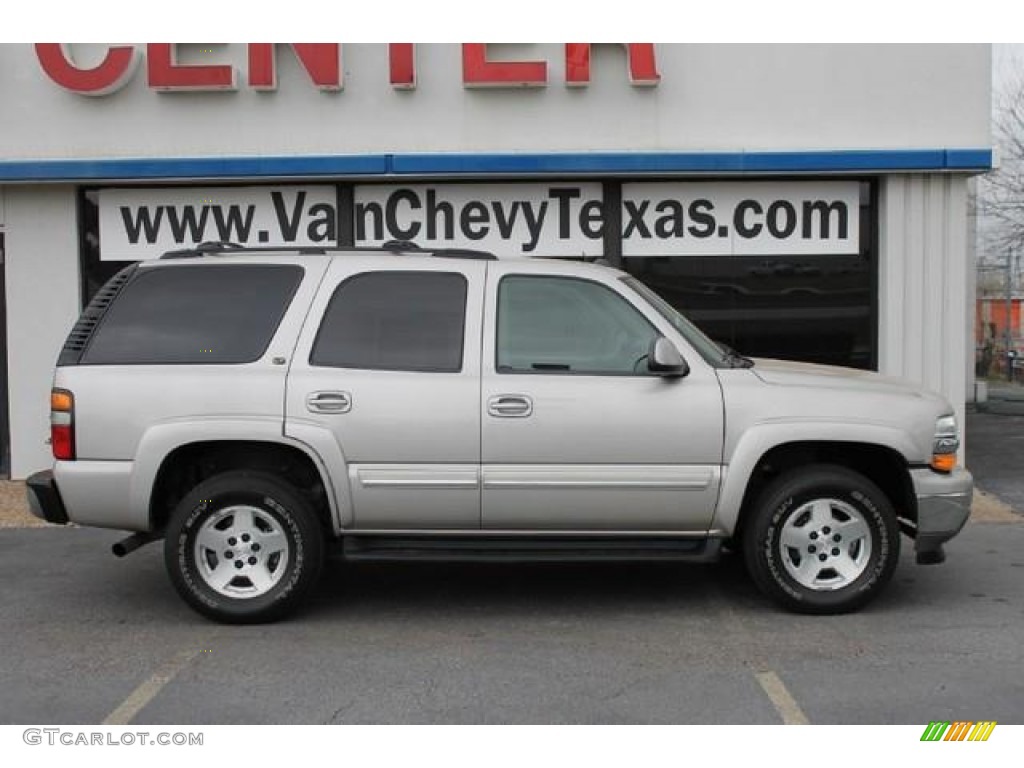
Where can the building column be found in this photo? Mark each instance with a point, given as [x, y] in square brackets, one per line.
[42, 304]
[923, 287]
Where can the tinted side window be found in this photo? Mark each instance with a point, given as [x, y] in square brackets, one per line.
[394, 321]
[566, 325]
[195, 314]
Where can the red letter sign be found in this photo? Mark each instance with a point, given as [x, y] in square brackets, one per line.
[322, 62]
[108, 76]
[402, 63]
[478, 71]
[643, 69]
[167, 75]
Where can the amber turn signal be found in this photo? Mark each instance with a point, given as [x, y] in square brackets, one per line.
[944, 462]
[61, 400]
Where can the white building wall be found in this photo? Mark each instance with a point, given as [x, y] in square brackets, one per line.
[42, 304]
[922, 275]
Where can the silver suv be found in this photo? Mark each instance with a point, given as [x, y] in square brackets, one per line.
[255, 408]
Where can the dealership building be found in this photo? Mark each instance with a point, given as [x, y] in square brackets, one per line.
[808, 202]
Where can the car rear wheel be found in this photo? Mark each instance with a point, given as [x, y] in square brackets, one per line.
[823, 539]
[244, 547]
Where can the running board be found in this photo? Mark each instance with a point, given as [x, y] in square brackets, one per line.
[514, 549]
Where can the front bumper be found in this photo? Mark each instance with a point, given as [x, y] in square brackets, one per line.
[943, 506]
[44, 499]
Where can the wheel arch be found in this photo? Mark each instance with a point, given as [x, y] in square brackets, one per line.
[188, 464]
[883, 461]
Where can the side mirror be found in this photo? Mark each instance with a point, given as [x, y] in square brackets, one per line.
[664, 359]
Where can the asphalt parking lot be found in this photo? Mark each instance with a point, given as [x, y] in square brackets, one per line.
[87, 638]
[995, 454]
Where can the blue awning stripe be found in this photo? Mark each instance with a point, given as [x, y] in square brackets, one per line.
[458, 164]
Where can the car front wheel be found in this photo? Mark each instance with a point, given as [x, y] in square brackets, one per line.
[243, 547]
[824, 539]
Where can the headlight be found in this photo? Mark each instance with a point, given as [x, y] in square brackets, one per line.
[945, 444]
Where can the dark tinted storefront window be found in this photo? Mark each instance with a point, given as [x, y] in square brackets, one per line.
[814, 308]
[94, 271]
[810, 307]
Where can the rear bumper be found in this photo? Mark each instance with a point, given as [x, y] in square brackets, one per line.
[44, 499]
[943, 506]
[98, 494]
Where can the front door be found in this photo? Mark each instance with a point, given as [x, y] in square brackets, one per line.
[393, 372]
[577, 434]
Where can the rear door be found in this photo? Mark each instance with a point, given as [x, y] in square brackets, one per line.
[388, 364]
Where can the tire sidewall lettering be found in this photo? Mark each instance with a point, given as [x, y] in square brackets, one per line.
[769, 552]
[188, 568]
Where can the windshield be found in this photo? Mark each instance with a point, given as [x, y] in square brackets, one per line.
[707, 349]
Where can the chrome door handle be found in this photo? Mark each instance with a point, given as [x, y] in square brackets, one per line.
[329, 402]
[510, 406]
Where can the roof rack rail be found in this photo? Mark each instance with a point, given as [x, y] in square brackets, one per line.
[464, 253]
[201, 249]
[400, 245]
[391, 246]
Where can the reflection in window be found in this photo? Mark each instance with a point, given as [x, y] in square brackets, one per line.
[815, 308]
[566, 325]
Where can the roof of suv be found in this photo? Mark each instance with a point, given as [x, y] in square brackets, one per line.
[216, 251]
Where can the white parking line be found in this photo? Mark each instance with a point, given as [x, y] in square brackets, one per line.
[781, 699]
[142, 695]
[751, 649]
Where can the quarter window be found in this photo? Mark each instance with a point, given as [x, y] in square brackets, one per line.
[395, 321]
[566, 325]
[194, 314]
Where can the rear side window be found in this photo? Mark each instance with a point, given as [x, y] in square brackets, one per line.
[394, 321]
[195, 314]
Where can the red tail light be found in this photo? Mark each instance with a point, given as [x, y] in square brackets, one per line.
[62, 424]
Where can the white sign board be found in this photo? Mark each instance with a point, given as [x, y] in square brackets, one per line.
[685, 218]
[528, 219]
[700, 218]
[138, 224]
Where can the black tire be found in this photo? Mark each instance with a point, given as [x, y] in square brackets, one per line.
[271, 533]
[790, 548]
